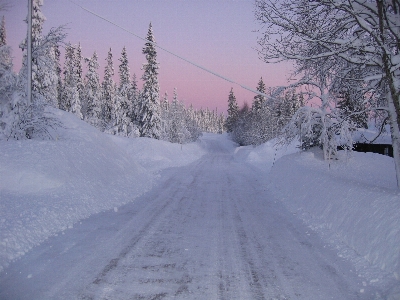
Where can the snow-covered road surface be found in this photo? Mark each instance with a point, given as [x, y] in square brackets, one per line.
[210, 230]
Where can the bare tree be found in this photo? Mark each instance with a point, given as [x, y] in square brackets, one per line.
[332, 40]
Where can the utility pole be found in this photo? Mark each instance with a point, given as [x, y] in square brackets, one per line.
[29, 54]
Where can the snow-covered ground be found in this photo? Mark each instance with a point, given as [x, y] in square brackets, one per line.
[216, 196]
[352, 202]
[48, 186]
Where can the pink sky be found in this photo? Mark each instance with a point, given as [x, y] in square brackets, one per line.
[216, 34]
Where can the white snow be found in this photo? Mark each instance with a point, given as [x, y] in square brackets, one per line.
[49, 186]
[353, 202]
[367, 135]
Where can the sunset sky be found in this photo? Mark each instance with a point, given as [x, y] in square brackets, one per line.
[216, 34]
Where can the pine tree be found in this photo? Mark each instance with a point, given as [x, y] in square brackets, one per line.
[164, 117]
[7, 86]
[57, 55]
[3, 34]
[134, 101]
[176, 129]
[108, 90]
[79, 78]
[149, 110]
[192, 125]
[121, 121]
[92, 92]
[233, 110]
[70, 96]
[259, 99]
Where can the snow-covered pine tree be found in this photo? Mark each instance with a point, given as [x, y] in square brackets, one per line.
[79, 78]
[65, 101]
[165, 103]
[57, 55]
[3, 33]
[122, 123]
[192, 125]
[70, 95]
[233, 110]
[108, 91]
[7, 86]
[134, 100]
[164, 117]
[92, 92]
[221, 124]
[177, 130]
[259, 100]
[149, 109]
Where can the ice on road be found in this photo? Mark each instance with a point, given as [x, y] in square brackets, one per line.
[209, 230]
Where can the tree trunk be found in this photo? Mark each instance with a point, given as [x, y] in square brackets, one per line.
[395, 134]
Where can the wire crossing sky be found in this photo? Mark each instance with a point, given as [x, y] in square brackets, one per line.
[176, 55]
[216, 36]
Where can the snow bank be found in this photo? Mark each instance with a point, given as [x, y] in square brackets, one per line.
[155, 155]
[265, 155]
[352, 200]
[47, 186]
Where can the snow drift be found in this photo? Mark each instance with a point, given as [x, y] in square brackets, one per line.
[353, 203]
[352, 200]
[47, 186]
[355, 200]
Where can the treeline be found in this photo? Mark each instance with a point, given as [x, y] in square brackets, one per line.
[118, 108]
[265, 118]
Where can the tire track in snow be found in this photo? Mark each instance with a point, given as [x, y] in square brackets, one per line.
[173, 197]
[207, 231]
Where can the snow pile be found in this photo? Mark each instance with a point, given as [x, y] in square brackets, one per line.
[351, 200]
[155, 155]
[47, 186]
[265, 155]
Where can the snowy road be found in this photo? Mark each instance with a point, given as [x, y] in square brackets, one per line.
[209, 230]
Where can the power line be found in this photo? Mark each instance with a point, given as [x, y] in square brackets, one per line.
[176, 55]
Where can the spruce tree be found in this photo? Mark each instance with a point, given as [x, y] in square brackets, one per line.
[92, 92]
[149, 109]
[57, 55]
[121, 119]
[7, 86]
[176, 120]
[79, 78]
[134, 100]
[259, 99]
[164, 106]
[70, 96]
[108, 90]
[233, 110]
[3, 34]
